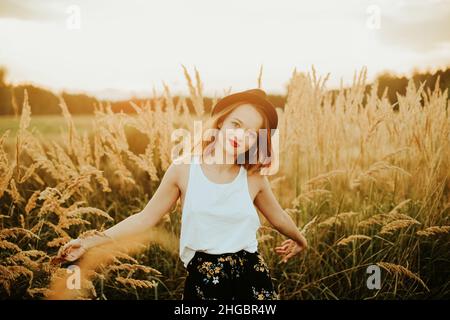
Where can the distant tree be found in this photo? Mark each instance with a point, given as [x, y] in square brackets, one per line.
[3, 73]
[6, 107]
[395, 84]
[43, 101]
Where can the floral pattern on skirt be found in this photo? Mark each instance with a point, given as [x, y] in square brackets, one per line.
[240, 275]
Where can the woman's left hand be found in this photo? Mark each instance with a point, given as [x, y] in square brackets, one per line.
[289, 248]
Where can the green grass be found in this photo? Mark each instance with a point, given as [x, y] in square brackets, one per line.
[50, 126]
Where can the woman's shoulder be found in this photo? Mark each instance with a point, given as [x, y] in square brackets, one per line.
[257, 178]
[179, 167]
[184, 159]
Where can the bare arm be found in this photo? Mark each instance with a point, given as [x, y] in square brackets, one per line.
[274, 213]
[163, 199]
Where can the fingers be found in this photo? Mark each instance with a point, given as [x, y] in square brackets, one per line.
[288, 256]
[64, 250]
[284, 253]
[281, 252]
[283, 247]
[73, 244]
[74, 255]
[283, 259]
[70, 251]
[288, 249]
[67, 247]
[286, 246]
[71, 257]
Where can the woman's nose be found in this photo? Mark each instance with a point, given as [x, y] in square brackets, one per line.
[239, 134]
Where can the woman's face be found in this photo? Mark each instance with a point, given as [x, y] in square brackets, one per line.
[239, 130]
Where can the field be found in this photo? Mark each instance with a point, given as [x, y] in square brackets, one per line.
[368, 185]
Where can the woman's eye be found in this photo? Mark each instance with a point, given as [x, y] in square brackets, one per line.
[235, 124]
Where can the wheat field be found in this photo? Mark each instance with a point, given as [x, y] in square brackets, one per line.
[367, 184]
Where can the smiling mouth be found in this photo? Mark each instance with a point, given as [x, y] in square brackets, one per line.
[234, 143]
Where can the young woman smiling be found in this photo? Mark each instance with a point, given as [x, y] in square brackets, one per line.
[220, 189]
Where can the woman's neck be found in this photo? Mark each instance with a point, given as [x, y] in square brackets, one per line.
[224, 161]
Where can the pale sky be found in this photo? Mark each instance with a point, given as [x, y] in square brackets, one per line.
[134, 45]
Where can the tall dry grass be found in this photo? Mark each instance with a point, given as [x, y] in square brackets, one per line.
[368, 184]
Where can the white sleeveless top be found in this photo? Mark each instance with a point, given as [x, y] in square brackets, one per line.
[217, 218]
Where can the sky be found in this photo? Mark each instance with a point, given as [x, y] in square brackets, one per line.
[116, 49]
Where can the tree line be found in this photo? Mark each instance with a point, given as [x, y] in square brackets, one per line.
[43, 101]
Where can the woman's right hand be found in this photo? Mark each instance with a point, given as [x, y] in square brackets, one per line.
[72, 250]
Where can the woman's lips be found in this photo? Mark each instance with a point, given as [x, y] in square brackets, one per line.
[234, 143]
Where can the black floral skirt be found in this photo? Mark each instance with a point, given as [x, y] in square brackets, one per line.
[240, 275]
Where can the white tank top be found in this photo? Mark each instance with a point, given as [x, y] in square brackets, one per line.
[217, 218]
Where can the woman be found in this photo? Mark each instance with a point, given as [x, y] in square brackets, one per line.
[218, 189]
